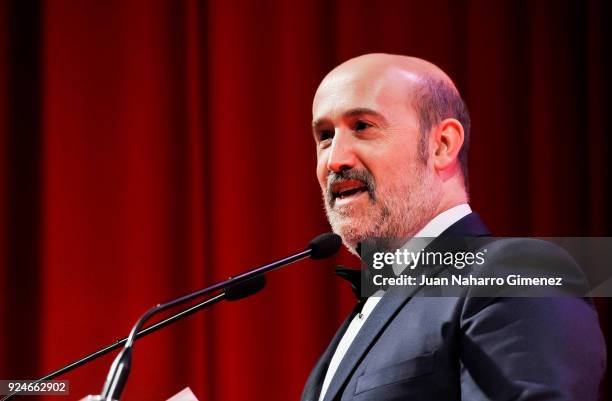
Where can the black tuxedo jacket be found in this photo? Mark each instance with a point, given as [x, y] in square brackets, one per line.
[472, 348]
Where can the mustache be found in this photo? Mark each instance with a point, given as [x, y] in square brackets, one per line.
[363, 176]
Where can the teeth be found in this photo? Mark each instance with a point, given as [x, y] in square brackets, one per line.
[347, 189]
[350, 191]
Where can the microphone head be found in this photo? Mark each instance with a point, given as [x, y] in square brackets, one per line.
[324, 245]
[245, 288]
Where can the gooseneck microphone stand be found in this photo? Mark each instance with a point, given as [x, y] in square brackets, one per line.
[234, 288]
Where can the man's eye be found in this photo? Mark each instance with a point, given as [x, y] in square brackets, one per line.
[325, 135]
[361, 125]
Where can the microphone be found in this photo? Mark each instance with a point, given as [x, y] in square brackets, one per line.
[320, 247]
[324, 245]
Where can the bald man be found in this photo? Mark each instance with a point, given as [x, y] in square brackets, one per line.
[392, 135]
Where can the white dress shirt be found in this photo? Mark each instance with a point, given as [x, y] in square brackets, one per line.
[431, 230]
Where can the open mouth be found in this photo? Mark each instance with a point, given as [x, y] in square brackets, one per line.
[348, 188]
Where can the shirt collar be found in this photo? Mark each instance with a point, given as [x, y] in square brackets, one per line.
[433, 229]
[444, 220]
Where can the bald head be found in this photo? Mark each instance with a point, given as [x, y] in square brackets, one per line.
[403, 70]
[427, 91]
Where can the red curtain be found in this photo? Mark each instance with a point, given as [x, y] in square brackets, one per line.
[150, 148]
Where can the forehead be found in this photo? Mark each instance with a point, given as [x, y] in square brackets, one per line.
[388, 93]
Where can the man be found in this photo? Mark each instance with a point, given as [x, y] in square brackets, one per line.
[392, 134]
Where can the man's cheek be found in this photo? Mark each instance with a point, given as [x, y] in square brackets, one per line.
[322, 178]
[323, 185]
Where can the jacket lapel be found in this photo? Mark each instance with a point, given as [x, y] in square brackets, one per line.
[469, 226]
[313, 385]
[383, 313]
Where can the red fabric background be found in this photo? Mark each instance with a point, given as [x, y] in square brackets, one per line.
[150, 148]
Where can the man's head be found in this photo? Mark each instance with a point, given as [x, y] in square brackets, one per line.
[391, 135]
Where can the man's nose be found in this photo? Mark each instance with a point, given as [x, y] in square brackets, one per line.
[342, 155]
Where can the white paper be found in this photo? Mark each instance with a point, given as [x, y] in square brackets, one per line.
[184, 395]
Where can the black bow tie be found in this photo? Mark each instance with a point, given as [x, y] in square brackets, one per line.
[353, 276]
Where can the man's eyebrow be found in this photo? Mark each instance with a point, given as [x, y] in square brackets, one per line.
[359, 111]
[364, 111]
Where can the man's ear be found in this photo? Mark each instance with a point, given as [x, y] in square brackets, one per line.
[447, 141]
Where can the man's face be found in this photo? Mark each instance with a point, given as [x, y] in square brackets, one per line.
[373, 180]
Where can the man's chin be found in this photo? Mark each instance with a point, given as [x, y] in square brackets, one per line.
[351, 232]
[352, 225]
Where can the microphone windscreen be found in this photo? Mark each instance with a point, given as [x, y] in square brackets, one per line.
[324, 245]
[245, 288]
